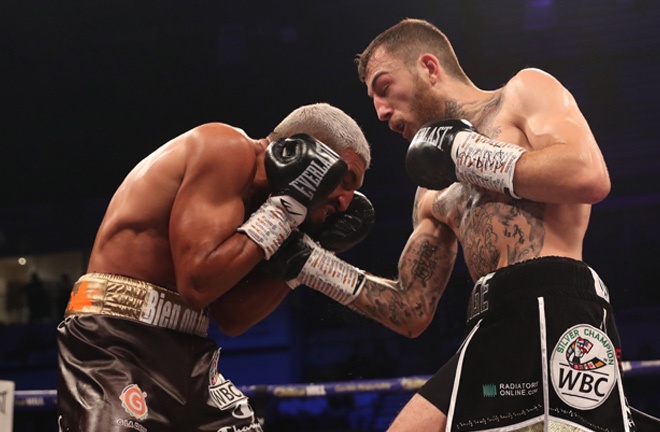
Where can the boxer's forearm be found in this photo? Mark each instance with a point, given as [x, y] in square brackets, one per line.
[248, 303]
[386, 301]
[408, 304]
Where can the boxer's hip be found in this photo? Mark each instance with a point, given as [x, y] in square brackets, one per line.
[120, 296]
[501, 292]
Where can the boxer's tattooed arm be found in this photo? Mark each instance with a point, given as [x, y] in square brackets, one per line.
[415, 214]
[408, 304]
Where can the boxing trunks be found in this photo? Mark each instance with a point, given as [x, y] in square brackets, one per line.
[541, 352]
[134, 357]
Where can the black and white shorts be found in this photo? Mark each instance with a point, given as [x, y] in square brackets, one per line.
[541, 348]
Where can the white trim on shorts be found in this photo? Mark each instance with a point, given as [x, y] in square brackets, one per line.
[459, 369]
[546, 418]
[543, 341]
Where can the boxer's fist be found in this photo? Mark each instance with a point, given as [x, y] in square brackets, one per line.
[429, 160]
[287, 263]
[302, 171]
[301, 261]
[342, 231]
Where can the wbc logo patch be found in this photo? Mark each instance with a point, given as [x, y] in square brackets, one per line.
[584, 367]
[223, 392]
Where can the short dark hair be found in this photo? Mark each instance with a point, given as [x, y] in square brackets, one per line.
[409, 39]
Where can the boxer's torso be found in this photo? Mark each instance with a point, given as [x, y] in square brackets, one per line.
[495, 230]
[134, 237]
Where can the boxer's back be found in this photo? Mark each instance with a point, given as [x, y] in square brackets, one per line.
[134, 238]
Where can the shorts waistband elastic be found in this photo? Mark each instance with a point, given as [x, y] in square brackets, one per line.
[119, 296]
[538, 277]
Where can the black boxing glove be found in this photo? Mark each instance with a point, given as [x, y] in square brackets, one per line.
[302, 171]
[287, 262]
[301, 261]
[446, 151]
[341, 231]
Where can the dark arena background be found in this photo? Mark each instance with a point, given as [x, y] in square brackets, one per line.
[90, 88]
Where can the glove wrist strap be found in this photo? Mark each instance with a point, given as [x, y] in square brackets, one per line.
[268, 227]
[295, 212]
[485, 162]
[335, 278]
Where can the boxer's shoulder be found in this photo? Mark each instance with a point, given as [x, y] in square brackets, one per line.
[219, 145]
[529, 86]
[217, 135]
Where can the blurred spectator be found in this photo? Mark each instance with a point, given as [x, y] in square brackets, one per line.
[62, 293]
[37, 299]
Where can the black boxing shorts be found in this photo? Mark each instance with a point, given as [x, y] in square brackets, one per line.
[541, 348]
[134, 357]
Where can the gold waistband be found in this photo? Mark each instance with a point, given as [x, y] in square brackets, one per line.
[106, 294]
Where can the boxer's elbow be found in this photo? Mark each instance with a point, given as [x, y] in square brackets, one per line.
[598, 190]
[194, 298]
[589, 180]
[200, 294]
[417, 328]
[412, 327]
[589, 186]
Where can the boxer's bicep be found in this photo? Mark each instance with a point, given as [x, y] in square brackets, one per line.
[565, 164]
[209, 255]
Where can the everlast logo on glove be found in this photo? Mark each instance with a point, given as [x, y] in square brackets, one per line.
[301, 172]
[432, 135]
[308, 182]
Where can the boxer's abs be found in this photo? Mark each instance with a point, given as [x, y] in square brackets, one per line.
[495, 230]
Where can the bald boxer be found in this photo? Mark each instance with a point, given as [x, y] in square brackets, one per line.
[509, 175]
[179, 244]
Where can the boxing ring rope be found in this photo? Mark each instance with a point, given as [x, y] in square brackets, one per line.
[37, 399]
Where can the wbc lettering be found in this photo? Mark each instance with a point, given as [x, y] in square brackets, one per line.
[583, 383]
[226, 395]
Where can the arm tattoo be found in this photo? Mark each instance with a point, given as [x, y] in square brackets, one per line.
[424, 270]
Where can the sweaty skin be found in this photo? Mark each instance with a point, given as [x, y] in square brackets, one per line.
[559, 177]
[173, 220]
